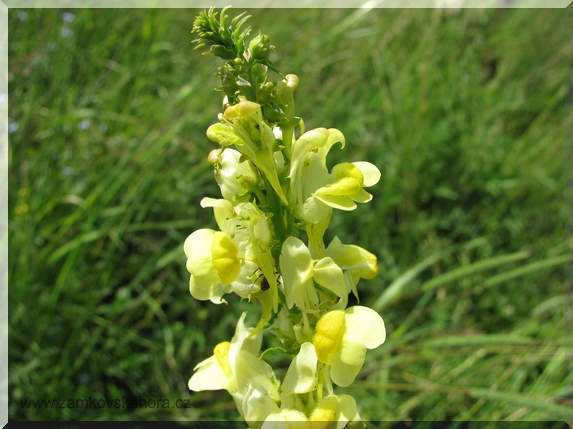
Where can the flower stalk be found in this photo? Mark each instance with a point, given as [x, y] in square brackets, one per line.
[278, 197]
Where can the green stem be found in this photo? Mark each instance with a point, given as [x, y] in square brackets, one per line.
[276, 207]
[261, 196]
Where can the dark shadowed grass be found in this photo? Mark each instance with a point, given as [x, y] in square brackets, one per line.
[463, 113]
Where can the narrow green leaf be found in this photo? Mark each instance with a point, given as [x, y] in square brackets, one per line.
[478, 340]
[527, 269]
[397, 288]
[554, 411]
[476, 267]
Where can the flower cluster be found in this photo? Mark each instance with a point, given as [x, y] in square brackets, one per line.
[278, 198]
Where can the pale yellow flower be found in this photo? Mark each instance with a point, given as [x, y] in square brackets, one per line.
[236, 177]
[314, 192]
[301, 273]
[236, 367]
[341, 340]
[225, 261]
[355, 261]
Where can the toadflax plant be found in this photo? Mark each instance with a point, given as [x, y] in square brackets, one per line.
[278, 198]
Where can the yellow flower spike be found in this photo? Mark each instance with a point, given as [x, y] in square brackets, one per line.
[225, 257]
[329, 332]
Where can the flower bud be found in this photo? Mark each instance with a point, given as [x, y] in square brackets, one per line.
[214, 157]
[260, 47]
[292, 82]
[222, 52]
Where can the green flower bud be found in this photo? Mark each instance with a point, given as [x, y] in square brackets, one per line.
[228, 84]
[260, 47]
[222, 52]
[259, 74]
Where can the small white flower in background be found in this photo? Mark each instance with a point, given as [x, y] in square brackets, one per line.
[84, 124]
[68, 16]
[13, 127]
[66, 32]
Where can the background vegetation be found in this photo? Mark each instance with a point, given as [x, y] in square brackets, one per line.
[464, 113]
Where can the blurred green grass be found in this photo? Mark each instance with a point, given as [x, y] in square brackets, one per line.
[465, 115]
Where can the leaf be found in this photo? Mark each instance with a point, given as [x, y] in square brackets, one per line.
[554, 411]
[526, 269]
[476, 267]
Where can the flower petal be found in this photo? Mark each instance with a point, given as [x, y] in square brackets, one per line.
[207, 287]
[329, 332]
[222, 209]
[341, 373]
[329, 275]
[197, 248]
[347, 409]
[224, 135]
[339, 202]
[208, 376]
[225, 257]
[296, 269]
[352, 352]
[353, 258]
[369, 171]
[257, 406]
[301, 376]
[357, 318]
